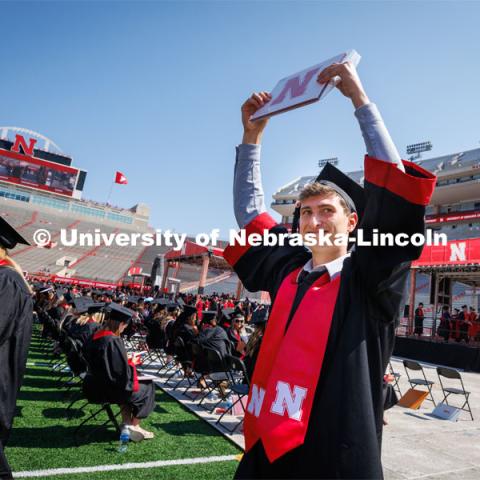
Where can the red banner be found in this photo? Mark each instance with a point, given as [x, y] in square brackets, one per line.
[452, 217]
[456, 252]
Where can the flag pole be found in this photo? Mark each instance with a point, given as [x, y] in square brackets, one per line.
[110, 191]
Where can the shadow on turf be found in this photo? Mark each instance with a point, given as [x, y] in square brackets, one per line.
[63, 413]
[59, 436]
[190, 427]
[44, 382]
[41, 396]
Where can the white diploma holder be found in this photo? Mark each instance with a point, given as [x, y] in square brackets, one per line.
[302, 88]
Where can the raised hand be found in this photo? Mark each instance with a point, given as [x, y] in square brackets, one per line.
[349, 84]
[253, 131]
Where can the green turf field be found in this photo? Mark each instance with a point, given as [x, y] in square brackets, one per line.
[42, 437]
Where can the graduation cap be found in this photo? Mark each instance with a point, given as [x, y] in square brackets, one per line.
[133, 299]
[181, 302]
[160, 301]
[9, 237]
[171, 307]
[118, 313]
[60, 293]
[259, 316]
[189, 310]
[209, 315]
[228, 313]
[349, 190]
[95, 307]
[80, 305]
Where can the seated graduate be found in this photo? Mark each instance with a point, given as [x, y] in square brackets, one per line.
[88, 322]
[156, 337]
[113, 376]
[185, 328]
[259, 321]
[236, 335]
[214, 337]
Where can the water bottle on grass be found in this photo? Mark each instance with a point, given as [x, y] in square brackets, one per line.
[124, 439]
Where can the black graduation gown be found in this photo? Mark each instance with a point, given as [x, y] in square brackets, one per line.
[111, 378]
[343, 438]
[418, 321]
[16, 317]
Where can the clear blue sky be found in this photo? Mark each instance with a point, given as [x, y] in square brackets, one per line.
[154, 89]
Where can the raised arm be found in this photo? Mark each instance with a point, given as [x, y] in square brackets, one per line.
[248, 197]
[377, 139]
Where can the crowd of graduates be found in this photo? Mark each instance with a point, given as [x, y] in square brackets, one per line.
[92, 326]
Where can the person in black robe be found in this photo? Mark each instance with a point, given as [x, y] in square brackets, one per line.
[315, 408]
[236, 336]
[16, 318]
[112, 375]
[464, 324]
[186, 329]
[419, 317]
[444, 327]
[259, 321]
[213, 337]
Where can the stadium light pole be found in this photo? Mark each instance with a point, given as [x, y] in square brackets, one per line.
[415, 150]
[323, 162]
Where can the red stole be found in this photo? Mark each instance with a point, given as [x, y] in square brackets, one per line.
[294, 358]
[5, 263]
[107, 333]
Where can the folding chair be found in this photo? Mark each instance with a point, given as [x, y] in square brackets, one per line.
[411, 365]
[396, 378]
[217, 375]
[240, 385]
[447, 391]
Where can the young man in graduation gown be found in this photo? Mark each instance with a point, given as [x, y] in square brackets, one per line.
[315, 406]
[112, 376]
[16, 317]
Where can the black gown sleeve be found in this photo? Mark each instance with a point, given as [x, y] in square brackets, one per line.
[264, 267]
[8, 294]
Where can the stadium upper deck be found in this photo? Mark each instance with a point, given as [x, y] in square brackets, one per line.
[455, 205]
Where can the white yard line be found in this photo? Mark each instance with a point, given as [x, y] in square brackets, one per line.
[125, 466]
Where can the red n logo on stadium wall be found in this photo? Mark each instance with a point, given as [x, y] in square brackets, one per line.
[20, 142]
[295, 86]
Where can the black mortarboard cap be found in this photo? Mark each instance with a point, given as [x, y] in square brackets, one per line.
[172, 306]
[80, 305]
[119, 313]
[348, 189]
[259, 316]
[227, 313]
[9, 237]
[160, 301]
[209, 315]
[189, 310]
[133, 299]
[95, 307]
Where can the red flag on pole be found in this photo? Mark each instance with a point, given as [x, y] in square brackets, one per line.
[120, 178]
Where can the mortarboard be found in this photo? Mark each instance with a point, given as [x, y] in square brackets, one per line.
[348, 189]
[9, 237]
[227, 313]
[209, 315]
[133, 299]
[80, 305]
[95, 307]
[189, 310]
[118, 313]
[259, 316]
